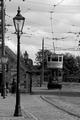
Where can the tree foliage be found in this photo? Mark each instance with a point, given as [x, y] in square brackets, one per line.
[38, 59]
[71, 65]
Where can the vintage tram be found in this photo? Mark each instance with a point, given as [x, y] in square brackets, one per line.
[55, 66]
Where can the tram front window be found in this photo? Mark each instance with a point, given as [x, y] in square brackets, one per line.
[54, 58]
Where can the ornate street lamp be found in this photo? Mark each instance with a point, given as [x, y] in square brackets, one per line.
[18, 23]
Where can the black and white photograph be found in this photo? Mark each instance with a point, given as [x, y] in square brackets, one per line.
[39, 59]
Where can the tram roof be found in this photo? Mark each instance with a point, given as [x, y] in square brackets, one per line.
[56, 54]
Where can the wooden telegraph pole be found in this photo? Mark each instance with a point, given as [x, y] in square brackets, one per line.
[3, 49]
[42, 78]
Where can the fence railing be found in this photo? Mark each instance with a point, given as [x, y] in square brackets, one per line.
[71, 79]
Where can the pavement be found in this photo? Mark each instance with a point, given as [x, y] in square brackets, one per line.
[7, 108]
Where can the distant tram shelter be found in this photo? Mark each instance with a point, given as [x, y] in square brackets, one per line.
[54, 66]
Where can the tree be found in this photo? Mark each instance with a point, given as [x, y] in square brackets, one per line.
[70, 66]
[38, 59]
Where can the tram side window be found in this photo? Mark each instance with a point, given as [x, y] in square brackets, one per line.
[48, 58]
[60, 58]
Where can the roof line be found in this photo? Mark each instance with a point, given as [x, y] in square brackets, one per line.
[13, 55]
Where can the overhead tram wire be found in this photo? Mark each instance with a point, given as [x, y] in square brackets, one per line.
[45, 25]
[51, 4]
[72, 49]
[59, 3]
[52, 27]
[67, 32]
[48, 4]
[67, 12]
[48, 11]
[51, 18]
[54, 12]
[39, 3]
[63, 49]
[56, 32]
[48, 38]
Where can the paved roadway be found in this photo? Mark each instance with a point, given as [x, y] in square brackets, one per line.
[70, 94]
[44, 111]
[37, 109]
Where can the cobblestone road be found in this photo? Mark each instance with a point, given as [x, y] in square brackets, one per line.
[42, 110]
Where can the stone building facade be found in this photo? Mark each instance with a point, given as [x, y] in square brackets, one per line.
[11, 69]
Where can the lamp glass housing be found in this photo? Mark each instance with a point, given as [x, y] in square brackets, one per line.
[18, 21]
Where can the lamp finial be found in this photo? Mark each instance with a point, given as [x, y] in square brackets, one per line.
[18, 10]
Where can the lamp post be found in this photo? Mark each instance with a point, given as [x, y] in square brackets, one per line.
[18, 21]
[3, 92]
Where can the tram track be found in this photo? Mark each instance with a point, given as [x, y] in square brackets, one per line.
[58, 107]
[27, 111]
[53, 105]
[36, 117]
[73, 93]
[65, 100]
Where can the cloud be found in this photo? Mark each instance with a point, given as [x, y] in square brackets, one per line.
[41, 23]
[11, 46]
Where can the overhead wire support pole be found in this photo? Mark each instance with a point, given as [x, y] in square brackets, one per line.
[52, 31]
[52, 27]
[42, 61]
[52, 22]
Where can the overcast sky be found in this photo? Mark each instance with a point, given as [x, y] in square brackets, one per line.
[56, 21]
